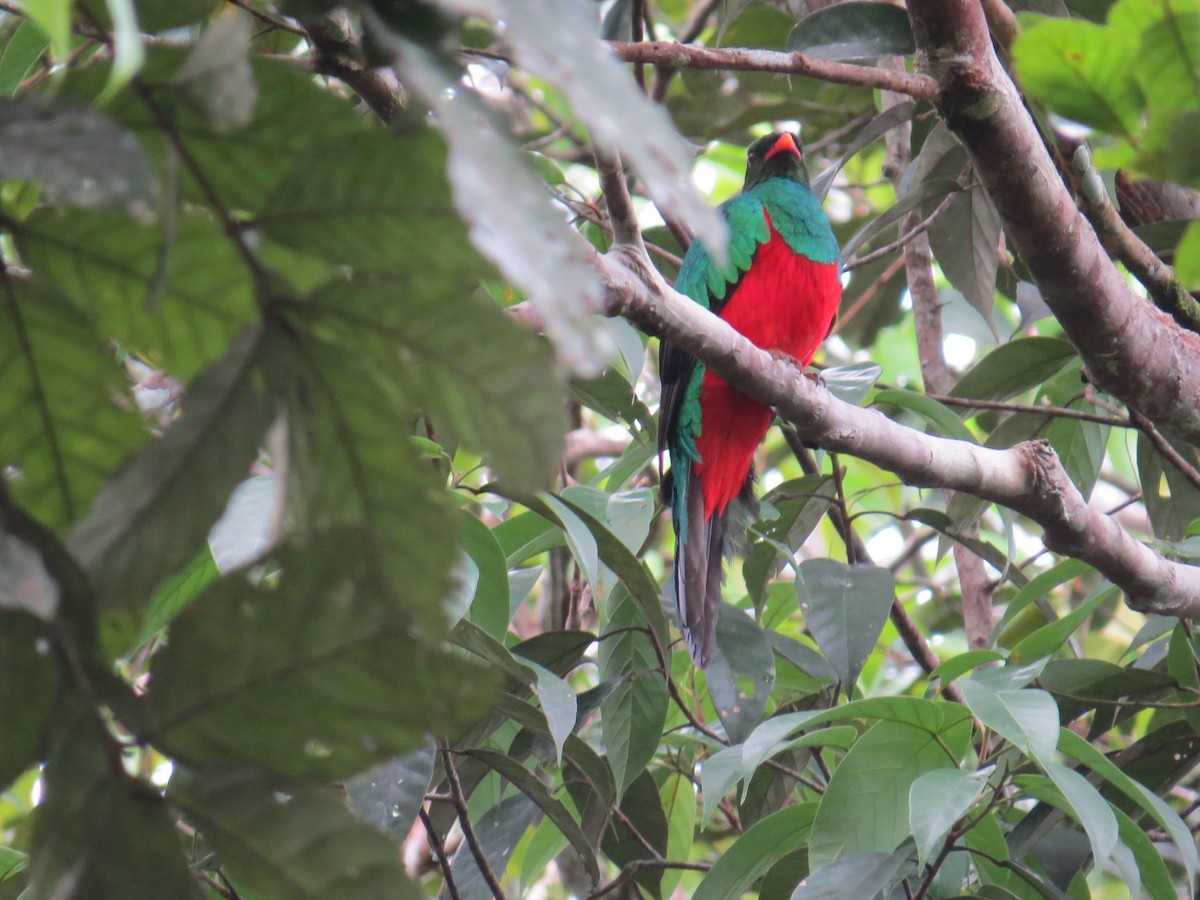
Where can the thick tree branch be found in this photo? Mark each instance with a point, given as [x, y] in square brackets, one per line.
[688, 56]
[1027, 478]
[1131, 350]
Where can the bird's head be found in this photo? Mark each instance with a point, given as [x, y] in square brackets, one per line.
[777, 155]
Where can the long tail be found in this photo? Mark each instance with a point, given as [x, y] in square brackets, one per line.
[698, 575]
[700, 550]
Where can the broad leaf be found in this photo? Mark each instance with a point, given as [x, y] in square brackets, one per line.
[632, 715]
[860, 875]
[845, 607]
[303, 677]
[150, 520]
[388, 796]
[755, 851]
[351, 464]
[865, 808]
[1082, 71]
[458, 357]
[499, 829]
[29, 678]
[966, 242]
[60, 428]
[853, 31]
[280, 838]
[529, 785]
[173, 295]
[1026, 717]
[96, 827]
[937, 800]
[742, 672]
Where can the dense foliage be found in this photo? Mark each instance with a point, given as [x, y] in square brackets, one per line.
[324, 574]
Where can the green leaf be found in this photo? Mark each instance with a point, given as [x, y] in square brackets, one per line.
[490, 605]
[1041, 585]
[175, 296]
[348, 202]
[59, 425]
[524, 781]
[96, 827]
[944, 420]
[865, 808]
[966, 241]
[754, 852]
[719, 773]
[241, 166]
[280, 838]
[1082, 71]
[678, 796]
[29, 678]
[800, 503]
[128, 53]
[1089, 809]
[1149, 865]
[605, 97]
[1187, 258]
[388, 796]
[1048, 639]
[530, 242]
[641, 807]
[351, 464]
[631, 571]
[952, 668]
[1158, 809]
[741, 674]
[1014, 368]
[499, 829]
[25, 45]
[1079, 444]
[149, 520]
[853, 31]
[306, 683]
[1028, 717]
[845, 608]
[461, 359]
[773, 735]
[633, 714]
[53, 17]
[860, 875]
[937, 800]
[1172, 501]
[558, 703]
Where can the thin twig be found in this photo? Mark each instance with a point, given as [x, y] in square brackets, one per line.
[1033, 409]
[616, 195]
[439, 850]
[464, 822]
[277, 22]
[866, 296]
[696, 22]
[912, 232]
[741, 59]
[1163, 446]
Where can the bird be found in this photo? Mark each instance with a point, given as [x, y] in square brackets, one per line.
[780, 288]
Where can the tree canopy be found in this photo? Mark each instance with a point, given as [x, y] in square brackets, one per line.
[332, 561]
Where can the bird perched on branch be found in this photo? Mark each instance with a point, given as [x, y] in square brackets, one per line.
[780, 288]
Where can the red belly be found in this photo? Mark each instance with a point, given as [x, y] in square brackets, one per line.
[784, 303]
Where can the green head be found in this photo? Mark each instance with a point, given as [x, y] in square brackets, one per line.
[777, 155]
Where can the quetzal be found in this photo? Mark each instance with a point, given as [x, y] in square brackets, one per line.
[780, 289]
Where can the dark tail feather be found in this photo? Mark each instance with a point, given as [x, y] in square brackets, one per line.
[698, 576]
[699, 571]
